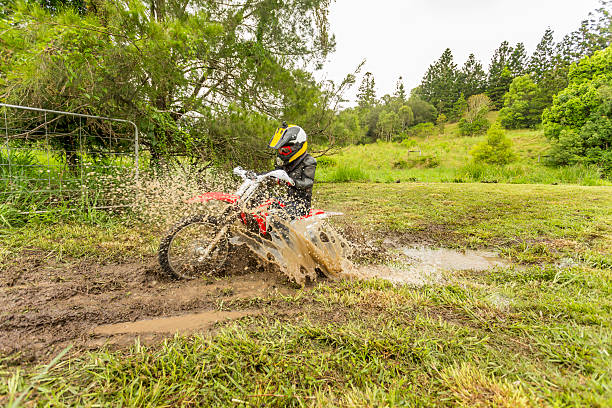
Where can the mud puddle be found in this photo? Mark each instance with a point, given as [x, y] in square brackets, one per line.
[421, 265]
[186, 324]
[46, 305]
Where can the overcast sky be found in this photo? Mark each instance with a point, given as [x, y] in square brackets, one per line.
[403, 37]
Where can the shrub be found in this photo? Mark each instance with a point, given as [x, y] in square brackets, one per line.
[477, 127]
[578, 123]
[408, 142]
[402, 164]
[496, 149]
[427, 162]
[421, 130]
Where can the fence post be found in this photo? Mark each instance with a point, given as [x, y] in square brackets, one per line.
[8, 149]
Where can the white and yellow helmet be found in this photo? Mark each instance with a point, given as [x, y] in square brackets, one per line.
[290, 142]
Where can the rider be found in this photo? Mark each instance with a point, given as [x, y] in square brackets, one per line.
[290, 143]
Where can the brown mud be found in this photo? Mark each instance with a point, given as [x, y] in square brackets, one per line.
[47, 305]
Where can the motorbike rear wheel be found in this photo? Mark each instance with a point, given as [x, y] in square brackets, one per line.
[194, 247]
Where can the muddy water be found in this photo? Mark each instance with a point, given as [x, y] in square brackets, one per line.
[424, 265]
[301, 249]
[185, 324]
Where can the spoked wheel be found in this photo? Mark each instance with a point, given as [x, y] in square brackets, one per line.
[194, 247]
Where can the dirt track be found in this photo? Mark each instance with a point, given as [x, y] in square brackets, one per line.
[46, 305]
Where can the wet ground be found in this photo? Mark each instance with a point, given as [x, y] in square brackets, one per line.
[46, 305]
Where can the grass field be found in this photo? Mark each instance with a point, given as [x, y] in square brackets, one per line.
[446, 158]
[538, 333]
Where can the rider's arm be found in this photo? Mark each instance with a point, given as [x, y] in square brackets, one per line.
[308, 175]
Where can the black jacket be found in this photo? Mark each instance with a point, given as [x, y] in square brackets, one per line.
[302, 171]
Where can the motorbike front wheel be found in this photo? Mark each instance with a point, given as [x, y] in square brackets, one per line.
[194, 247]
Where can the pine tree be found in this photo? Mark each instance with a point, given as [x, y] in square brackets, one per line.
[541, 61]
[459, 108]
[518, 60]
[472, 79]
[400, 91]
[366, 96]
[439, 85]
[500, 76]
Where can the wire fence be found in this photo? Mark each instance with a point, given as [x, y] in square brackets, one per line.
[53, 159]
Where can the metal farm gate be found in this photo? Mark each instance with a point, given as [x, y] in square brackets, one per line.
[52, 159]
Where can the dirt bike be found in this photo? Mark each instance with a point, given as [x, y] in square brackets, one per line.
[199, 244]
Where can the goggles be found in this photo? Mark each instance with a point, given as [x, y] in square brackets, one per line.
[285, 151]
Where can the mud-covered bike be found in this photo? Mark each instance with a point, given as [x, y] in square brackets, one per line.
[200, 244]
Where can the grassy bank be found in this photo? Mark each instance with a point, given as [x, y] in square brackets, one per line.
[446, 158]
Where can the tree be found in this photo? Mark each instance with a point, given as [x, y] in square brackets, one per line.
[471, 78]
[388, 125]
[439, 85]
[500, 76]
[406, 116]
[153, 62]
[517, 64]
[441, 122]
[523, 104]
[496, 149]
[422, 110]
[499, 86]
[541, 61]
[459, 108]
[475, 119]
[594, 34]
[400, 91]
[366, 97]
[579, 124]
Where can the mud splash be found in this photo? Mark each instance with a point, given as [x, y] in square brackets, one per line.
[302, 250]
[422, 265]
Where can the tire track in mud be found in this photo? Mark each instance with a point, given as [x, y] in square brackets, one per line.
[46, 305]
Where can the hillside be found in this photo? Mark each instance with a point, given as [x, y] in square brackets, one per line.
[446, 158]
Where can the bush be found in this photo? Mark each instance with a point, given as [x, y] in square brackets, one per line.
[496, 149]
[578, 123]
[408, 142]
[421, 130]
[402, 164]
[427, 162]
[478, 127]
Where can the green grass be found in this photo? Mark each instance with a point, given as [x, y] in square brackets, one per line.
[446, 158]
[535, 335]
[371, 344]
[525, 218]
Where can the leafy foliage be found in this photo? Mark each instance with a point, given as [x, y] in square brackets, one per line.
[475, 120]
[497, 149]
[578, 123]
[523, 104]
[158, 62]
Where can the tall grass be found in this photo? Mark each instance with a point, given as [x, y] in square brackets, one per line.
[446, 158]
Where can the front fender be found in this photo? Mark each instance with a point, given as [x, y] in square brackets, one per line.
[214, 196]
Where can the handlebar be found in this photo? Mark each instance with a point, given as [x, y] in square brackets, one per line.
[277, 174]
